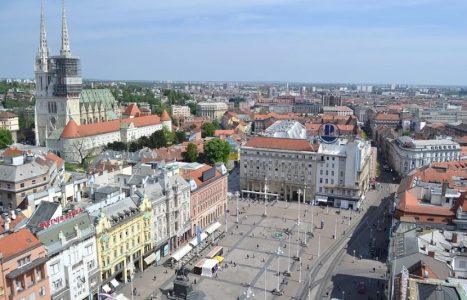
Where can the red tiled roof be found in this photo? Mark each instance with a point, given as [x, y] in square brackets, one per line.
[132, 110]
[17, 242]
[198, 174]
[165, 116]
[55, 158]
[7, 115]
[73, 130]
[220, 132]
[281, 143]
[19, 217]
[409, 204]
[387, 117]
[12, 151]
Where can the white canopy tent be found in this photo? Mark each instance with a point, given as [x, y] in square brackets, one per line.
[209, 267]
[180, 253]
[213, 227]
[194, 241]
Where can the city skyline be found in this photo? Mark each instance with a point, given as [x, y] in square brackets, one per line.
[407, 42]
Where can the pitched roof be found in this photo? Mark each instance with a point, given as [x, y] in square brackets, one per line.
[387, 117]
[12, 151]
[197, 175]
[19, 217]
[17, 242]
[72, 130]
[220, 132]
[57, 159]
[132, 110]
[281, 144]
[7, 115]
[165, 116]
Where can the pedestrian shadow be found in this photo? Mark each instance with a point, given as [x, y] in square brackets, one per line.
[356, 287]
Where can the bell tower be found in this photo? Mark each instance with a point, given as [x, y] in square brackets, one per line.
[58, 84]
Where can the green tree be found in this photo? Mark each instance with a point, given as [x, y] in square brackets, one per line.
[207, 129]
[180, 136]
[5, 138]
[158, 139]
[217, 150]
[134, 146]
[117, 146]
[170, 137]
[191, 154]
[216, 124]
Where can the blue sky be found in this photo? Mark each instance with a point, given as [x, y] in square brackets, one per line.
[347, 41]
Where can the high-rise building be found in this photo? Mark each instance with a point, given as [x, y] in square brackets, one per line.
[331, 100]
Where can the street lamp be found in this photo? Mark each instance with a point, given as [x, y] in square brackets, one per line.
[249, 293]
[354, 255]
[319, 243]
[288, 264]
[300, 274]
[237, 195]
[335, 229]
[131, 269]
[265, 195]
[279, 252]
[298, 211]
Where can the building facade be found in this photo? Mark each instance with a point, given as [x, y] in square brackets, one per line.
[283, 165]
[10, 121]
[343, 173]
[337, 110]
[24, 174]
[208, 199]
[124, 235]
[59, 91]
[406, 154]
[213, 110]
[72, 258]
[180, 111]
[23, 269]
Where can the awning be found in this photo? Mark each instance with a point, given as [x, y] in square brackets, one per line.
[213, 227]
[194, 242]
[151, 258]
[180, 253]
[114, 283]
[219, 258]
[321, 199]
[106, 288]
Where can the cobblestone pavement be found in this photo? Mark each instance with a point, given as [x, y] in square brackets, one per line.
[252, 245]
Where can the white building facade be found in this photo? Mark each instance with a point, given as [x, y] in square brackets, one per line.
[343, 173]
[406, 154]
[213, 110]
[72, 266]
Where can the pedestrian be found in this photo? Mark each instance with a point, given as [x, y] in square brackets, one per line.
[257, 246]
[154, 278]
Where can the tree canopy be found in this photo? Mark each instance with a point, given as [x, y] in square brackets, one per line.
[207, 129]
[191, 154]
[5, 138]
[217, 150]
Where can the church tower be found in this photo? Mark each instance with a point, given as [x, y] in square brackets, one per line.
[58, 84]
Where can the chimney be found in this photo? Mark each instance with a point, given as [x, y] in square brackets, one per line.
[454, 237]
[444, 188]
[7, 224]
[13, 215]
[431, 254]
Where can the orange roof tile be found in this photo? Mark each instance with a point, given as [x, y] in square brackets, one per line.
[220, 132]
[17, 242]
[165, 116]
[19, 217]
[55, 158]
[198, 174]
[281, 143]
[72, 130]
[132, 110]
[387, 117]
[12, 151]
[409, 204]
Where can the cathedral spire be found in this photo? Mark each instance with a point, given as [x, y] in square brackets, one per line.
[43, 50]
[65, 50]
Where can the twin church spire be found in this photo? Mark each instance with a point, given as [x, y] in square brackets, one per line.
[43, 51]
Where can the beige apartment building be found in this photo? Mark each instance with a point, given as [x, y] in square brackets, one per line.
[180, 111]
[10, 121]
[213, 110]
[23, 174]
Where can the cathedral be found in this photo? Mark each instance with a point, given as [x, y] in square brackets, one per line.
[60, 96]
[71, 120]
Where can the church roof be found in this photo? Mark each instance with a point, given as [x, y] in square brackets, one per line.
[132, 110]
[70, 130]
[102, 97]
[73, 130]
[165, 116]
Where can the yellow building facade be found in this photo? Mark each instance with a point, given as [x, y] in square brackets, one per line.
[124, 235]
